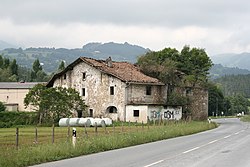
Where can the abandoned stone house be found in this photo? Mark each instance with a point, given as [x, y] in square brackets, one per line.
[118, 90]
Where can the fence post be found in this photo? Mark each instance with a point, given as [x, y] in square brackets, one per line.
[113, 128]
[148, 124]
[142, 125]
[136, 126]
[129, 126]
[85, 130]
[95, 128]
[53, 134]
[17, 138]
[68, 133]
[36, 136]
[105, 128]
[122, 127]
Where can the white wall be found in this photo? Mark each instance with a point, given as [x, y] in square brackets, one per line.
[143, 113]
[165, 113]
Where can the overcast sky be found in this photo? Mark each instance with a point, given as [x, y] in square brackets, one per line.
[219, 26]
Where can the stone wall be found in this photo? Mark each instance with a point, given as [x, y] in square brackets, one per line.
[96, 86]
[199, 104]
[136, 94]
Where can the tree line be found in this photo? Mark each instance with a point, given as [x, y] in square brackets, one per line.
[10, 71]
[234, 84]
[190, 67]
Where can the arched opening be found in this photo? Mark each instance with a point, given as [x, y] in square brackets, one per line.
[111, 109]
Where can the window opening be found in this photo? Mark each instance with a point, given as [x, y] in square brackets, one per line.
[136, 113]
[83, 75]
[148, 90]
[83, 91]
[112, 90]
[91, 112]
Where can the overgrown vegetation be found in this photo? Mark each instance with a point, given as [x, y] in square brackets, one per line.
[31, 153]
[52, 104]
[181, 71]
[2, 107]
[220, 105]
[10, 71]
[234, 84]
[10, 119]
[174, 68]
[246, 118]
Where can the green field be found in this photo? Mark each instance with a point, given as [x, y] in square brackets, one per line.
[29, 152]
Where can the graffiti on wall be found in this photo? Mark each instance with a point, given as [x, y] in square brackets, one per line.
[166, 114]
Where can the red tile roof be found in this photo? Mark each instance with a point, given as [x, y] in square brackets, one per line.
[124, 71]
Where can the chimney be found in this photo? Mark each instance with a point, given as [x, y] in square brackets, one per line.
[109, 62]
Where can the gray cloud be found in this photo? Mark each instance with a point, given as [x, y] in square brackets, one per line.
[216, 25]
[127, 12]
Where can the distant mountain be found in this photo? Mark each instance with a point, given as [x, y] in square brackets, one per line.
[4, 45]
[233, 60]
[119, 52]
[51, 57]
[218, 71]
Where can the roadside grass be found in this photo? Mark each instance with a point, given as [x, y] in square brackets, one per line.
[245, 118]
[30, 153]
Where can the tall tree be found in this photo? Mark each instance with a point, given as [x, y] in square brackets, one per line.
[14, 67]
[216, 101]
[195, 63]
[2, 107]
[61, 66]
[37, 66]
[161, 65]
[6, 62]
[54, 103]
[1, 61]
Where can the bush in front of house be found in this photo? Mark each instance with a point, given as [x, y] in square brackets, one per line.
[2, 107]
[12, 119]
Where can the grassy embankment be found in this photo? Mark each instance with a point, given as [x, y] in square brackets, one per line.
[30, 153]
[245, 118]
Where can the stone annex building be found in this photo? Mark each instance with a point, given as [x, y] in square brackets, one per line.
[118, 90]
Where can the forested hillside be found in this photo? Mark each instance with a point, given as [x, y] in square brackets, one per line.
[234, 84]
[10, 71]
[52, 57]
[218, 70]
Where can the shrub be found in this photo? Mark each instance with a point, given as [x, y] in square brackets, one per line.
[2, 107]
[9, 119]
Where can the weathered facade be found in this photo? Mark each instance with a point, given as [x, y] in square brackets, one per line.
[197, 108]
[12, 95]
[199, 103]
[117, 90]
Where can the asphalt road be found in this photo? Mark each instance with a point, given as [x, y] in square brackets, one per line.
[228, 145]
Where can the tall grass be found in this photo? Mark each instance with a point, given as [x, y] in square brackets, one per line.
[35, 154]
[245, 118]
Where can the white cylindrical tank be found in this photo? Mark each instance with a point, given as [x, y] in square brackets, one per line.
[98, 122]
[107, 121]
[64, 122]
[83, 121]
[74, 121]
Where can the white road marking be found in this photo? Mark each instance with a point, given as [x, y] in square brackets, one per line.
[227, 136]
[154, 163]
[191, 150]
[212, 141]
